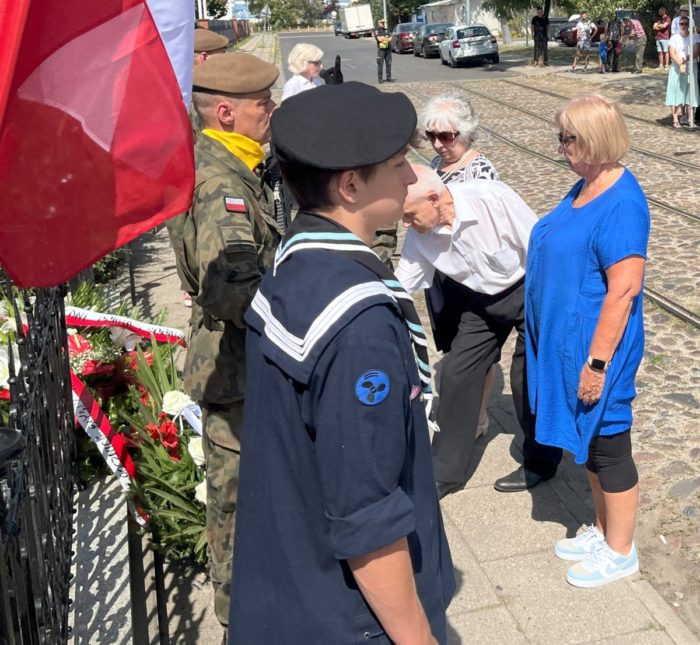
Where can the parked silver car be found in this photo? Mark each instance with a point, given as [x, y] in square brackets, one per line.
[468, 43]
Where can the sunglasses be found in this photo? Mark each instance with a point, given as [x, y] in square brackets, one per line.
[685, 24]
[442, 137]
[564, 140]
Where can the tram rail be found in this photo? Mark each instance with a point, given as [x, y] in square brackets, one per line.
[658, 298]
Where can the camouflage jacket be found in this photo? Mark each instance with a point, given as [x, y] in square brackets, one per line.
[229, 237]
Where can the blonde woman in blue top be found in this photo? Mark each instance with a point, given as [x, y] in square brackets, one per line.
[585, 334]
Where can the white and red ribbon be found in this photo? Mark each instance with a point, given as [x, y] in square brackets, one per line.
[77, 317]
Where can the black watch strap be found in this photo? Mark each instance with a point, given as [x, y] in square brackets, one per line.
[598, 365]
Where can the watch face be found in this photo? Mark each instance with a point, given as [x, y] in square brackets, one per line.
[597, 364]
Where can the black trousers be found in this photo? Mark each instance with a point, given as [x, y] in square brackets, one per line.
[540, 50]
[485, 324]
[384, 58]
[613, 57]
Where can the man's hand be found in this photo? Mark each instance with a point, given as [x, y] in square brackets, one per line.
[590, 385]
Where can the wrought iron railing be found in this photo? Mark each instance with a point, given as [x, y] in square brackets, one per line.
[37, 457]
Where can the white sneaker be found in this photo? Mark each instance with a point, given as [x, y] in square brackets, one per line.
[602, 567]
[581, 546]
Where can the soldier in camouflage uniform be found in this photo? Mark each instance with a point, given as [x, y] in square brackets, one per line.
[206, 43]
[229, 239]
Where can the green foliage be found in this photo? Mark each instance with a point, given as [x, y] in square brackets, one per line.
[166, 479]
[397, 10]
[217, 8]
[107, 267]
[290, 13]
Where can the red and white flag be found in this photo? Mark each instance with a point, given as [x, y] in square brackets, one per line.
[95, 143]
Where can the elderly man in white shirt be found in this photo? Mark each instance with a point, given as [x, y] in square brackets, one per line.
[476, 233]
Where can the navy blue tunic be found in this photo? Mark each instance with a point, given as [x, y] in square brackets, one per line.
[336, 459]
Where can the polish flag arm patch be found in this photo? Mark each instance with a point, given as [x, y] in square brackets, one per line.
[235, 205]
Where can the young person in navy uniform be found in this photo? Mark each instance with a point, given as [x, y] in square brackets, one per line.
[339, 536]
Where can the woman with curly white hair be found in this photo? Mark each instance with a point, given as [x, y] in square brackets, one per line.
[448, 121]
[305, 62]
[450, 124]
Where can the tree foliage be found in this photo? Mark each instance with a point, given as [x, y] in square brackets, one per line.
[289, 13]
[217, 8]
[396, 10]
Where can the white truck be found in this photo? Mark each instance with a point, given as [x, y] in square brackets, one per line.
[356, 21]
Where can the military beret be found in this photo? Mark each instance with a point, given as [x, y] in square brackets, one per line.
[335, 127]
[208, 41]
[234, 73]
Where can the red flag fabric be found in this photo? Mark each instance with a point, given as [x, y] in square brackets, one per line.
[95, 144]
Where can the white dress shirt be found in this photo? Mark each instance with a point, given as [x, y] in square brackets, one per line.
[486, 247]
[299, 83]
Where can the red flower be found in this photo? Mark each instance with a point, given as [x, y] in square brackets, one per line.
[153, 431]
[169, 441]
[174, 457]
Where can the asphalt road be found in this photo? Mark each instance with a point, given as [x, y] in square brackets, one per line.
[359, 60]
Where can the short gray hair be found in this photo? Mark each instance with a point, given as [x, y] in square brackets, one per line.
[428, 181]
[450, 112]
[300, 56]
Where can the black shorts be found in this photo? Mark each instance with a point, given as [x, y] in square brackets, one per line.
[610, 457]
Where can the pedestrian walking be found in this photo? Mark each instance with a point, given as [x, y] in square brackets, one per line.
[476, 233]
[339, 537]
[635, 32]
[614, 33]
[540, 35]
[603, 54]
[229, 240]
[585, 330]
[383, 39]
[584, 33]
[681, 97]
[662, 35]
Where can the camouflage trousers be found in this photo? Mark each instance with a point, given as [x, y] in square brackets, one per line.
[385, 244]
[222, 426]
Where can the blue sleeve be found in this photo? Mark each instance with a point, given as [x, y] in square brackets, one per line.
[623, 232]
[361, 430]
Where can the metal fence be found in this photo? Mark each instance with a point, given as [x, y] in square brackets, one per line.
[37, 457]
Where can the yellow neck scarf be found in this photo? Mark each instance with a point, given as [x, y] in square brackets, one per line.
[247, 150]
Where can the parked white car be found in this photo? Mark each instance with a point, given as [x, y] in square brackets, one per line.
[468, 43]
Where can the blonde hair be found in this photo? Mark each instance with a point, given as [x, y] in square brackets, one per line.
[599, 127]
[300, 56]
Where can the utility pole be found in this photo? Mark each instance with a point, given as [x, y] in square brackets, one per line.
[386, 22]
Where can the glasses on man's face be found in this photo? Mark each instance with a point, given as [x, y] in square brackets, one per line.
[565, 140]
[685, 24]
[445, 138]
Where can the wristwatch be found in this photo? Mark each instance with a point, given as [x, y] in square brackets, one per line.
[598, 365]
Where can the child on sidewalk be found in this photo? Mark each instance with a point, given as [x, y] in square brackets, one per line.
[603, 54]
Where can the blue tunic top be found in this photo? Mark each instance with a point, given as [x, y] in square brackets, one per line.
[565, 285]
[335, 462]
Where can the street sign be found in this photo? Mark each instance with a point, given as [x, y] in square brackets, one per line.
[265, 11]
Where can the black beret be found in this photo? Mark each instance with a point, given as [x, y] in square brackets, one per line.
[335, 127]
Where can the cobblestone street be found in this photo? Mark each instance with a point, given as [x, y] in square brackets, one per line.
[511, 585]
[667, 408]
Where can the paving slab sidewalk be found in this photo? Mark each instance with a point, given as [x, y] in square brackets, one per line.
[511, 586]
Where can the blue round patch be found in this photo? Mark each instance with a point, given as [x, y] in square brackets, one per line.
[372, 387]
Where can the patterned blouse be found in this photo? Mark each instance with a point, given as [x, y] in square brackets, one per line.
[478, 168]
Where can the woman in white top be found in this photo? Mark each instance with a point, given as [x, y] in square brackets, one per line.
[305, 62]
[678, 90]
[450, 124]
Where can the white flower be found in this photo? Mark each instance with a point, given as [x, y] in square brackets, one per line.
[175, 402]
[10, 325]
[124, 338]
[200, 492]
[194, 447]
